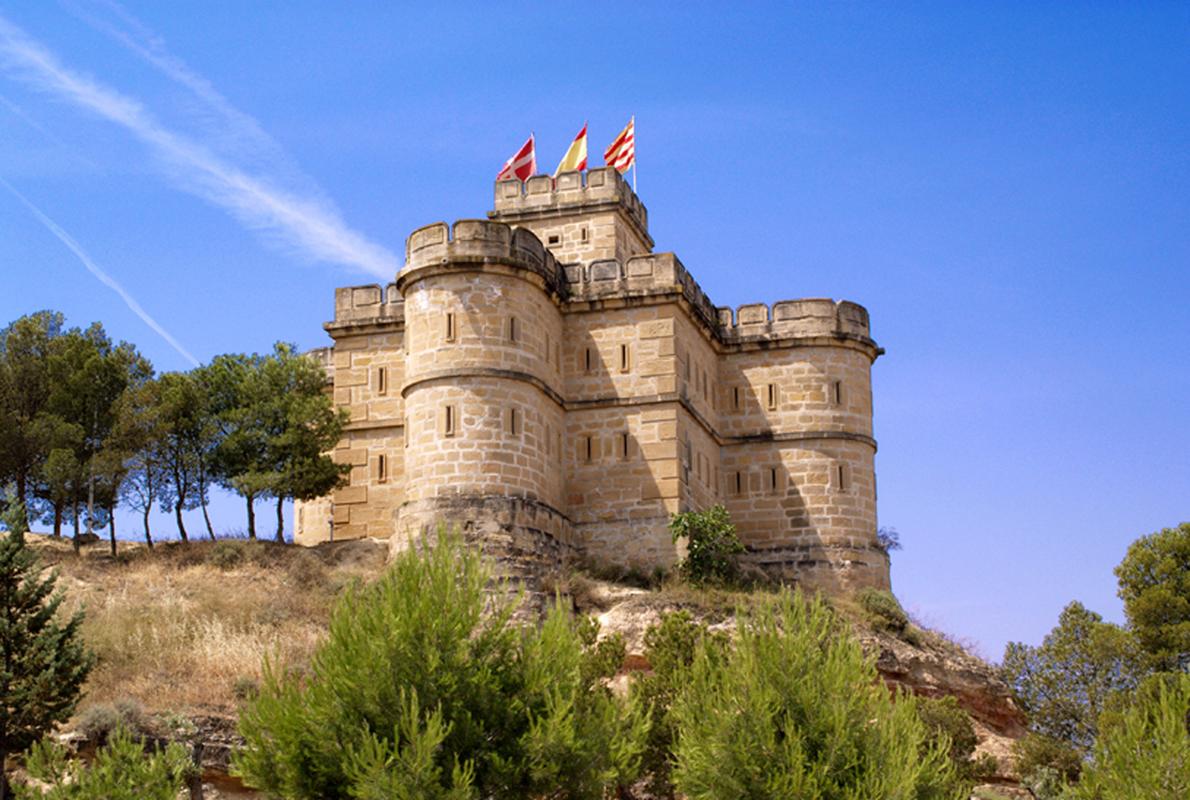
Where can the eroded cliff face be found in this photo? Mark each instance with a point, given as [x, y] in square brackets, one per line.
[931, 667]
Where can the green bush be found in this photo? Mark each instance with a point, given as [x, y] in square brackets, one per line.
[1143, 751]
[1046, 765]
[227, 554]
[883, 610]
[711, 545]
[98, 721]
[670, 646]
[121, 770]
[795, 709]
[424, 689]
[951, 726]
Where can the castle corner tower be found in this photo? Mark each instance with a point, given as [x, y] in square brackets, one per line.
[546, 382]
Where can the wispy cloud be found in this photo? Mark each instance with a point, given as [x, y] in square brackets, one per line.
[94, 269]
[231, 130]
[304, 223]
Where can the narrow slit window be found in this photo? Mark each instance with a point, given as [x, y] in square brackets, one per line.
[381, 380]
[624, 358]
[772, 480]
[738, 482]
[587, 360]
[624, 446]
[841, 477]
[735, 397]
[514, 421]
[451, 332]
[449, 421]
[582, 234]
[772, 395]
[382, 468]
[587, 448]
[512, 329]
[837, 393]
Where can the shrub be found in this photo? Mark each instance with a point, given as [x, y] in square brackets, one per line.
[121, 770]
[883, 610]
[227, 554]
[951, 727]
[424, 689]
[795, 709]
[669, 648]
[98, 721]
[711, 545]
[1145, 750]
[1046, 765]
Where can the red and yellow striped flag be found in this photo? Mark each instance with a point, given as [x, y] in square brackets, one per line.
[576, 155]
[621, 153]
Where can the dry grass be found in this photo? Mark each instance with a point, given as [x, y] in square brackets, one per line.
[183, 629]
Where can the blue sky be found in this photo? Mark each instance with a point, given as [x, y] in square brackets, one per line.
[1005, 186]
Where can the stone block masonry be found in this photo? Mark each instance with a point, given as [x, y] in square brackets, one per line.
[545, 381]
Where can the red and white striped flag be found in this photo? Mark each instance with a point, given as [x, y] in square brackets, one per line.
[621, 153]
[522, 165]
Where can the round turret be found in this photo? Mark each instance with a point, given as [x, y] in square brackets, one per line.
[484, 417]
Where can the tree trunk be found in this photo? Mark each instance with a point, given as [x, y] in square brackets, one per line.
[194, 784]
[207, 519]
[148, 536]
[181, 525]
[251, 517]
[22, 487]
[91, 499]
[57, 520]
[111, 526]
[5, 791]
[281, 520]
[75, 541]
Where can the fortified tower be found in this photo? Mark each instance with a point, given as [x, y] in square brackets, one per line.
[545, 381]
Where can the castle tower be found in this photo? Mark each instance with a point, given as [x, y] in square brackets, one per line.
[545, 381]
[484, 413]
[580, 217]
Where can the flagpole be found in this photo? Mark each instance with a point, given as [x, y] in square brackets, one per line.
[634, 153]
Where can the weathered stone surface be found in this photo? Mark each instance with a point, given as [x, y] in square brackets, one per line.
[547, 356]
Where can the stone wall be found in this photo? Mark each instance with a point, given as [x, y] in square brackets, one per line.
[556, 388]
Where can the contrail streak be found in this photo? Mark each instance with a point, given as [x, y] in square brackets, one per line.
[37, 126]
[128, 31]
[307, 225]
[93, 268]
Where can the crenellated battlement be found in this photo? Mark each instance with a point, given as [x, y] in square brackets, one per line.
[656, 272]
[602, 186]
[542, 377]
[325, 358]
[368, 304]
[476, 240]
[795, 318]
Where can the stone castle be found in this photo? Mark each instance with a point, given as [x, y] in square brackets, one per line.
[544, 379]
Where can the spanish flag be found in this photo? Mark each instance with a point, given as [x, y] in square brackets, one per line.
[576, 156]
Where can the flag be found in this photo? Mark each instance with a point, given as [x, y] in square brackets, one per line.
[576, 156]
[522, 165]
[621, 153]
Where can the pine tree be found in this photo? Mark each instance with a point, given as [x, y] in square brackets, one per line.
[42, 662]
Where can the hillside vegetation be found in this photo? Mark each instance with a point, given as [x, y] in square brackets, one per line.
[184, 629]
